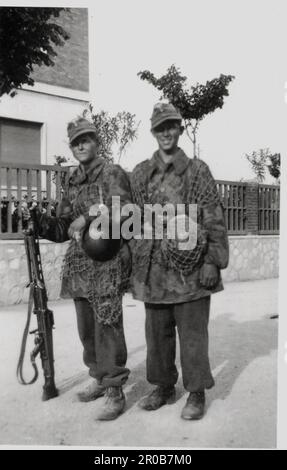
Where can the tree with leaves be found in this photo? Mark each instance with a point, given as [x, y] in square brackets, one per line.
[27, 38]
[113, 131]
[274, 166]
[194, 103]
[262, 160]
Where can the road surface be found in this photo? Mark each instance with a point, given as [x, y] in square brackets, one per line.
[241, 408]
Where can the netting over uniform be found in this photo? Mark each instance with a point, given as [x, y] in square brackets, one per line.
[200, 189]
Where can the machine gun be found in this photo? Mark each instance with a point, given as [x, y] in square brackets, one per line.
[43, 338]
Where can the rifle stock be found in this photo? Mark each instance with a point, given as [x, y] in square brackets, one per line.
[44, 332]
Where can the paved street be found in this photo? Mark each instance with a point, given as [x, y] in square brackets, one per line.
[241, 408]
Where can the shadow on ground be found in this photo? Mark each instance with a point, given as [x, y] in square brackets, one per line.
[233, 346]
[237, 344]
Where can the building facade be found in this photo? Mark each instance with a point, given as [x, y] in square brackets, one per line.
[33, 123]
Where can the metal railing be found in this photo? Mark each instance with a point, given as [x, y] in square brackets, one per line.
[24, 185]
[233, 199]
[269, 209]
[21, 186]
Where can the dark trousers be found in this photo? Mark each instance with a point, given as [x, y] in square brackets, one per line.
[191, 320]
[105, 352]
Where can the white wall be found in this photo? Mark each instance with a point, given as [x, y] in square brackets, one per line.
[51, 109]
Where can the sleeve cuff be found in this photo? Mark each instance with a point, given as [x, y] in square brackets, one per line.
[209, 260]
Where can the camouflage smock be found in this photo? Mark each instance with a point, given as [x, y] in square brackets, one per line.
[182, 181]
[102, 283]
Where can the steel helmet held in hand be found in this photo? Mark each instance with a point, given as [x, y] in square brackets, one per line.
[98, 243]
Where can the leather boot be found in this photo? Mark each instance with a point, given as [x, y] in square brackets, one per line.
[93, 391]
[194, 407]
[157, 398]
[114, 404]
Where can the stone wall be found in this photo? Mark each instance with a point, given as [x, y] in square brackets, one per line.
[14, 272]
[251, 257]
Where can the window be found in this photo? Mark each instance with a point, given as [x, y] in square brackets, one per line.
[20, 141]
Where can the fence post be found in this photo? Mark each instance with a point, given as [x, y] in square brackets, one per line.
[252, 208]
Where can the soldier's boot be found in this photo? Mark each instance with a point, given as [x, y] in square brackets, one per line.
[93, 391]
[157, 398]
[114, 404]
[194, 407]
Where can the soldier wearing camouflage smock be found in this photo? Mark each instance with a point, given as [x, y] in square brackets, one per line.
[95, 286]
[176, 285]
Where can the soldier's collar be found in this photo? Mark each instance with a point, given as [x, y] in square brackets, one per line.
[179, 161]
[81, 174]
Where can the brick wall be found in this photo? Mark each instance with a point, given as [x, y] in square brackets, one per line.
[71, 69]
[252, 208]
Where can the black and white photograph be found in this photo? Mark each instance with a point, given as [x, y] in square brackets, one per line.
[142, 225]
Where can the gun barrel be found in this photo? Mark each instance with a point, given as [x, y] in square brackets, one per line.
[44, 332]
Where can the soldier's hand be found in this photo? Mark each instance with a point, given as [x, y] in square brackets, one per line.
[209, 275]
[76, 227]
